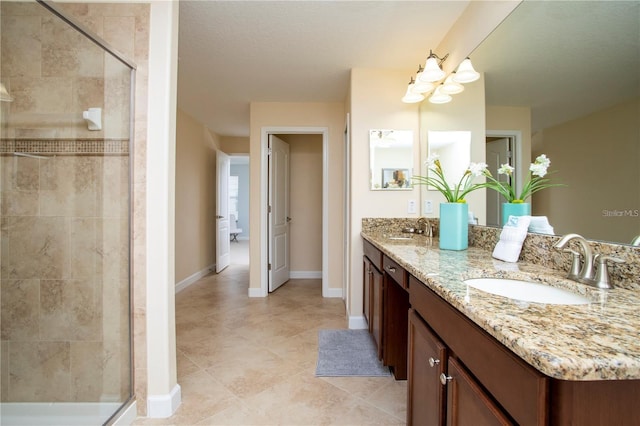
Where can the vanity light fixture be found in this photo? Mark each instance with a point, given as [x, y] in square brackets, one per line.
[421, 86]
[411, 96]
[432, 69]
[450, 86]
[439, 97]
[466, 73]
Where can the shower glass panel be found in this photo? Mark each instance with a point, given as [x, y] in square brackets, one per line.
[65, 133]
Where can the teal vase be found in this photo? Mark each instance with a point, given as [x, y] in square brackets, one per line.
[515, 209]
[454, 226]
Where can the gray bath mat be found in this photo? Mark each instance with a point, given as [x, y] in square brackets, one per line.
[348, 353]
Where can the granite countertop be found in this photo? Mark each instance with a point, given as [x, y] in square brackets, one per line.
[596, 341]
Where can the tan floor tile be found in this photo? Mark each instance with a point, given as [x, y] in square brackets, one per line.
[251, 361]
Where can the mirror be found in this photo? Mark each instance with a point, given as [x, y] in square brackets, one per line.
[453, 149]
[574, 68]
[391, 159]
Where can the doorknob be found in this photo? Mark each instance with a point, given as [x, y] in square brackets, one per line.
[288, 219]
[219, 217]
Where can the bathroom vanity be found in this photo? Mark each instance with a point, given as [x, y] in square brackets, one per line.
[476, 358]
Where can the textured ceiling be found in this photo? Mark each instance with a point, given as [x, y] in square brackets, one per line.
[234, 52]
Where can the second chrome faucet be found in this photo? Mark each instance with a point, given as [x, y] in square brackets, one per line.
[585, 271]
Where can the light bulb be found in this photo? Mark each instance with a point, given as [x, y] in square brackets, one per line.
[451, 87]
[412, 97]
[466, 73]
[432, 71]
[438, 97]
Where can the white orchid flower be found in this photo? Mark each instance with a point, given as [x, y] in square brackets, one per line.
[505, 169]
[477, 169]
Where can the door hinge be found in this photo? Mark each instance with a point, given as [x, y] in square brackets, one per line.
[269, 209]
[269, 151]
[509, 154]
[269, 267]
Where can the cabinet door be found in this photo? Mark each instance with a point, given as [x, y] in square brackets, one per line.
[427, 360]
[367, 279]
[377, 291]
[467, 402]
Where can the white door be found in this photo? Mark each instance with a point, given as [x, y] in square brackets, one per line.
[278, 212]
[223, 244]
[498, 153]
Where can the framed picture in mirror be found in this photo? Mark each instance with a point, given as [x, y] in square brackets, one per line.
[394, 178]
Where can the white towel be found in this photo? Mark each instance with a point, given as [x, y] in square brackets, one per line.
[511, 238]
[540, 225]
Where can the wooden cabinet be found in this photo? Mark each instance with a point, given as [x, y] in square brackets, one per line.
[386, 303]
[486, 378]
[427, 360]
[487, 384]
[467, 402]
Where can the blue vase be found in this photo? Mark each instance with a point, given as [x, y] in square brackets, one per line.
[515, 209]
[454, 226]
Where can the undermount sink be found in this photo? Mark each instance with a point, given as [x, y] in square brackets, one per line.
[527, 291]
[400, 238]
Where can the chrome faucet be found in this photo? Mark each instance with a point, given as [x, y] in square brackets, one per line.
[424, 224]
[636, 241]
[584, 274]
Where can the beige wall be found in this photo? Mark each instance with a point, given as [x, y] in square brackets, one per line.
[234, 145]
[284, 114]
[195, 197]
[305, 172]
[375, 104]
[597, 157]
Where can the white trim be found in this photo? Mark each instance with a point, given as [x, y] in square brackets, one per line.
[264, 191]
[517, 152]
[358, 323]
[128, 416]
[194, 277]
[163, 406]
[305, 275]
[257, 292]
[332, 292]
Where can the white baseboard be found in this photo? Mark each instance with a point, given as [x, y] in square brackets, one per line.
[163, 406]
[256, 292]
[333, 292]
[305, 275]
[194, 277]
[358, 323]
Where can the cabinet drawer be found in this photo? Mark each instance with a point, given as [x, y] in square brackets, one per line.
[520, 389]
[374, 255]
[395, 271]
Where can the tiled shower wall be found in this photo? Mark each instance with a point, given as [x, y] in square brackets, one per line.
[64, 278]
[65, 232]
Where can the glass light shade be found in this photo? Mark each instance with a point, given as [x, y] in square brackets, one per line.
[4, 95]
[412, 97]
[438, 97]
[451, 87]
[466, 73]
[422, 86]
[432, 71]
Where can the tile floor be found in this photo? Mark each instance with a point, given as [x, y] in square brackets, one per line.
[251, 361]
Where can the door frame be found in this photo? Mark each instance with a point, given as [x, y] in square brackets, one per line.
[264, 200]
[516, 135]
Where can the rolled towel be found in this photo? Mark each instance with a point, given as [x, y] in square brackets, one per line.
[511, 238]
[540, 225]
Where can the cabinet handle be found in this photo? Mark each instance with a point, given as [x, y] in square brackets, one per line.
[391, 269]
[433, 362]
[444, 378]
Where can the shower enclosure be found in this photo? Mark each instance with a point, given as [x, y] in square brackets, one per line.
[65, 144]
